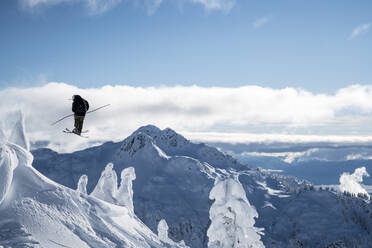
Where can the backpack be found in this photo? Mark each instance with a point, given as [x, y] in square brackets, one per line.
[82, 106]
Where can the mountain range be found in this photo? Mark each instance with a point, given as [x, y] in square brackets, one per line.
[174, 182]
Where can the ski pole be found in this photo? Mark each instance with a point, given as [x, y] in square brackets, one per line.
[73, 114]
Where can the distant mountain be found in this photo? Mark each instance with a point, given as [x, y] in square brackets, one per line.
[174, 182]
[319, 163]
[320, 172]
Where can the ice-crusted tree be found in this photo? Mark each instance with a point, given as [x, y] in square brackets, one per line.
[232, 217]
[163, 230]
[107, 185]
[124, 195]
[352, 182]
[163, 235]
[82, 184]
[107, 189]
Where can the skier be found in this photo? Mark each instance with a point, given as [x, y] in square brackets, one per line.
[79, 106]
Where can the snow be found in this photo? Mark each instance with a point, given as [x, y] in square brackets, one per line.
[174, 180]
[37, 212]
[82, 184]
[107, 190]
[9, 159]
[232, 217]
[351, 182]
[163, 234]
[163, 230]
[2, 136]
[18, 134]
[8, 162]
[107, 185]
[124, 194]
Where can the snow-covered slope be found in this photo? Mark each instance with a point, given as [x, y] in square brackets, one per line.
[37, 212]
[174, 180]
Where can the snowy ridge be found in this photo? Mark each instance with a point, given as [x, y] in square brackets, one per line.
[37, 212]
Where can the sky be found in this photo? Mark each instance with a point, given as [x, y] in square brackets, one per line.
[320, 46]
[213, 70]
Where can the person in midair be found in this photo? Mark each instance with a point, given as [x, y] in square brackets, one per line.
[80, 107]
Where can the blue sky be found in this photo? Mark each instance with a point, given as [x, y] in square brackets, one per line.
[317, 45]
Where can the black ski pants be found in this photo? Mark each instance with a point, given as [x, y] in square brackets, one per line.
[79, 121]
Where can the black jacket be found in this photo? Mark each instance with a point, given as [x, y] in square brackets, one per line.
[80, 106]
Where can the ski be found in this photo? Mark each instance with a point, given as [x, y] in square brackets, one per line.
[69, 131]
[104, 106]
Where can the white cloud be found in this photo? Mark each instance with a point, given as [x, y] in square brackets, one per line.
[351, 182]
[363, 28]
[359, 156]
[101, 6]
[93, 6]
[288, 157]
[216, 4]
[152, 6]
[191, 110]
[34, 3]
[261, 22]
[270, 138]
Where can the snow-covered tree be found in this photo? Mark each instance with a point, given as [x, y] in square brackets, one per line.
[107, 189]
[82, 184]
[107, 185]
[163, 230]
[232, 217]
[124, 195]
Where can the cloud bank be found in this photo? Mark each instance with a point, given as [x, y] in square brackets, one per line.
[249, 113]
[351, 182]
